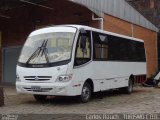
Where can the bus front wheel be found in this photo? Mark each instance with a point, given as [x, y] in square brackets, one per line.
[86, 93]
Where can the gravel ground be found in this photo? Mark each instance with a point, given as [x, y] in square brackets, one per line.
[142, 100]
[24, 107]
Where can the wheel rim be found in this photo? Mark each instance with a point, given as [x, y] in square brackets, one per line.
[85, 93]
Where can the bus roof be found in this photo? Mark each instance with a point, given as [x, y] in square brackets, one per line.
[88, 28]
[104, 32]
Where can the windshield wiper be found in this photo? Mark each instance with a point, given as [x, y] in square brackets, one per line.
[37, 52]
[45, 52]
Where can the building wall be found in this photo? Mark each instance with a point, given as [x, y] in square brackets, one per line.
[117, 25]
[149, 8]
[30, 18]
[150, 38]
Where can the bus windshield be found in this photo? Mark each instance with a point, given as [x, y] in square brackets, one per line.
[48, 47]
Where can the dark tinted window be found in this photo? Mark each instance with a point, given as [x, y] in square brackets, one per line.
[122, 49]
[117, 49]
[100, 46]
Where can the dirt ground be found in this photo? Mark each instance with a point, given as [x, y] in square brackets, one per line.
[142, 100]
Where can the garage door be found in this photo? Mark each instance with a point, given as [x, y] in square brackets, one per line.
[10, 57]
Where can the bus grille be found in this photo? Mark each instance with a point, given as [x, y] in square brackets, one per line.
[37, 78]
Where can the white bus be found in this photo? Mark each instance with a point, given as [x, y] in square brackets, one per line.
[75, 60]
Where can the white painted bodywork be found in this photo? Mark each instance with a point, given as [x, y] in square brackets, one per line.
[104, 74]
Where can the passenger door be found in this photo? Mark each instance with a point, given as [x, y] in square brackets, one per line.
[82, 64]
[83, 56]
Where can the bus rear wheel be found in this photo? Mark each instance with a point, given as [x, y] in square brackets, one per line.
[40, 98]
[86, 93]
[129, 88]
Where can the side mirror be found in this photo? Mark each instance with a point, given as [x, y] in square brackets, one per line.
[83, 39]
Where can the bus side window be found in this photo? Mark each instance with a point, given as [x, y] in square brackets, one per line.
[100, 46]
[82, 56]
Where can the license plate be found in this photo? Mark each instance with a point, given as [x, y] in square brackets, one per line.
[36, 88]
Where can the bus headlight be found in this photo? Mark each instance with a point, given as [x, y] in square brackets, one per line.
[64, 78]
[17, 78]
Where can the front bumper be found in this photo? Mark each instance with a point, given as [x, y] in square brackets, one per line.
[57, 89]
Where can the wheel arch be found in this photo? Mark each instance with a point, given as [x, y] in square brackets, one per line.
[90, 81]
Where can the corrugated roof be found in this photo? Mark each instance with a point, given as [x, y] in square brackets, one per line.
[117, 8]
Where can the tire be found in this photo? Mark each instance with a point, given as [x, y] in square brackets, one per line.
[129, 88]
[86, 93]
[40, 98]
